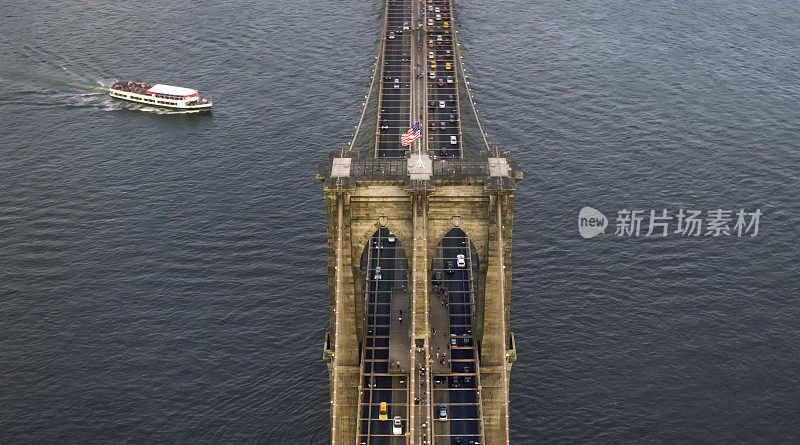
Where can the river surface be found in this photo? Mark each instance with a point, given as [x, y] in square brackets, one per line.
[163, 276]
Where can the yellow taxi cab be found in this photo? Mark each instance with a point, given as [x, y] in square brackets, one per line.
[433, 65]
[439, 38]
[446, 24]
[447, 66]
[383, 411]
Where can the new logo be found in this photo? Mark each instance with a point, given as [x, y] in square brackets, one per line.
[591, 222]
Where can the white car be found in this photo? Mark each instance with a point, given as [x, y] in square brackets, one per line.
[460, 262]
[397, 425]
[430, 22]
[432, 75]
[430, 54]
[391, 35]
[378, 275]
[449, 79]
[441, 104]
[391, 238]
[397, 83]
[405, 26]
[453, 140]
[443, 412]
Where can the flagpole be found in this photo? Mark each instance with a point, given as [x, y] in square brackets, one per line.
[419, 163]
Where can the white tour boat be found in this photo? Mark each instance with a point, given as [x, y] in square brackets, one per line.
[167, 96]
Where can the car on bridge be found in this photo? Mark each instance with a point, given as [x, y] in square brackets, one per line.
[449, 266]
[449, 79]
[378, 275]
[453, 140]
[443, 412]
[397, 83]
[391, 238]
[383, 411]
[391, 35]
[437, 278]
[460, 261]
[433, 126]
[397, 425]
[405, 26]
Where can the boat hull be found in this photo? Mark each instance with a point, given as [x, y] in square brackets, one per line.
[146, 100]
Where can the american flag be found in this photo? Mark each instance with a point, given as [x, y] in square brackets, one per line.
[411, 135]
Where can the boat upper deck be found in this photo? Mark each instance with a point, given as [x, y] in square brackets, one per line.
[156, 90]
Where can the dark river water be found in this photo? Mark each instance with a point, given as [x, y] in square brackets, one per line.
[163, 276]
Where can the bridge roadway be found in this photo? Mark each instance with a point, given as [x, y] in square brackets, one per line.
[395, 91]
[419, 80]
[456, 379]
[381, 379]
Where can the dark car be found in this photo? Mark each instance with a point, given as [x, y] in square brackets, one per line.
[455, 382]
[384, 125]
[433, 126]
[442, 125]
[440, 82]
[431, 104]
[451, 98]
[450, 267]
[405, 57]
[452, 118]
[437, 278]
[443, 152]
